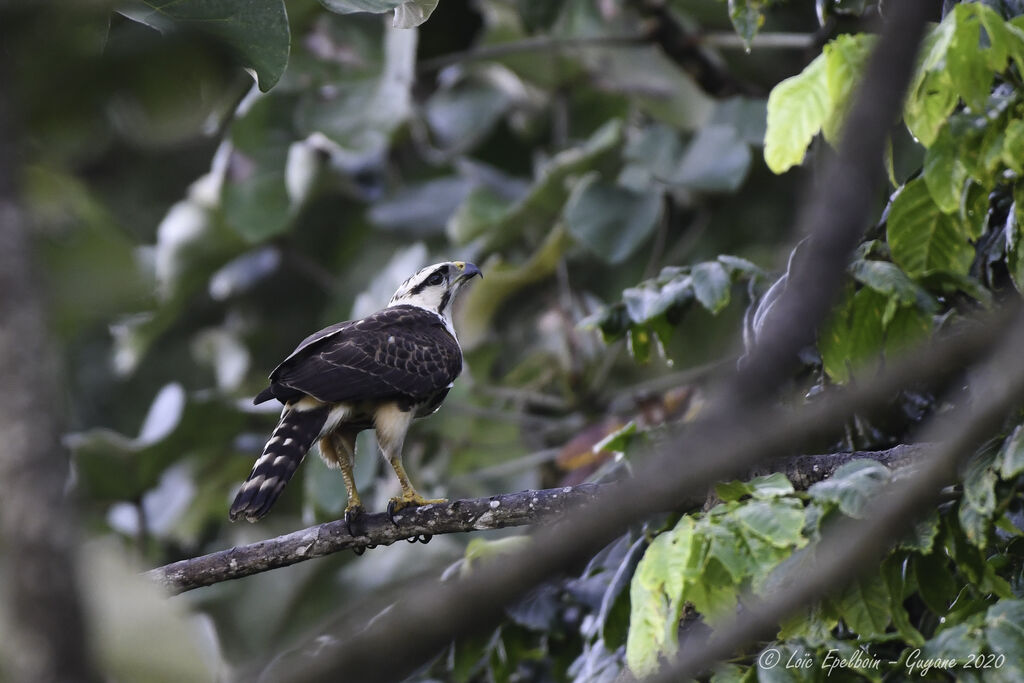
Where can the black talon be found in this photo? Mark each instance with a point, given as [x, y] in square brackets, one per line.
[351, 515]
[413, 539]
[391, 512]
[424, 538]
[358, 549]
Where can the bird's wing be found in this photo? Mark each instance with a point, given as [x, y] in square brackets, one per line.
[401, 352]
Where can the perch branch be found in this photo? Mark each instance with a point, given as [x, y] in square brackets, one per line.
[495, 512]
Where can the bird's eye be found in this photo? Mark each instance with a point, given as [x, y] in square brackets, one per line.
[435, 280]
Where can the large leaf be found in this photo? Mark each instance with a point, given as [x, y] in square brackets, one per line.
[923, 238]
[502, 222]
[716, 160]
[931, 96]
[853, 487]
[844, 63]
[408, 13]
[256, 30]
[655, 597]
[853, 335]
[944, 171]
[797, 109]
[610, 220]
[886, 278]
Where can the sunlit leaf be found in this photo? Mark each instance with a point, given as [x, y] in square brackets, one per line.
[656, 598]
[944, 171]
[845, 58]
[797, 109]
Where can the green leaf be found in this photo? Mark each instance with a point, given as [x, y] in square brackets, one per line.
[966, 64]
[935, 582]
[909, 327]
[797, 109]
[713, 592]
[1012, 151]
[545, 201]
[656, 598]
[922, 238]
[716, 160]
[931, 95]
[944, 171]
[1011, 460]
[896, 587]
[729, 548]
[1004, 631]
[853, 487]
[711, 285]
[413, 13]
[481, 208]
[610, 220]
[853, 335]
[649, 300]
[770, 486]
[922, 537]
[886, 278]
[779, 521]
[844, 63]
[255, 30]
[746, 18]
[865, 606]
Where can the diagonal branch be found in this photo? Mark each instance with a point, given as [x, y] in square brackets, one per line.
[494, 512]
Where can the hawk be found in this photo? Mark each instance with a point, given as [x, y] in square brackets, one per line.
[377, 373]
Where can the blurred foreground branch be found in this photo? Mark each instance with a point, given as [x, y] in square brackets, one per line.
[494, 512]
[45, 640]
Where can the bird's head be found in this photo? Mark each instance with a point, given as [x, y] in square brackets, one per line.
[435, 287]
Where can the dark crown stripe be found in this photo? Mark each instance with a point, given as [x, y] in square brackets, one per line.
[423, 283]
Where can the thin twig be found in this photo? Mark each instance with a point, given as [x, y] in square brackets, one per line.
[728, 40]
[538, 44]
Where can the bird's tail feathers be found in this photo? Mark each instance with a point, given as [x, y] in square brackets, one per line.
[292, 438]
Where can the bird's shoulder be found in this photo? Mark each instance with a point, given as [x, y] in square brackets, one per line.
[401, 324]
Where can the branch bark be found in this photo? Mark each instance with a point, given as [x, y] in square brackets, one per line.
[495, 512]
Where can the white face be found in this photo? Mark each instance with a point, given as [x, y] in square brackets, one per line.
[435, 287]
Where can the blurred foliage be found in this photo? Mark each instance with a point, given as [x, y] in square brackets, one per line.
[212, 180]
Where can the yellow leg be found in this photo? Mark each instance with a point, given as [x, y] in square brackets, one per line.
[409, 496]
[345, 442]
[339, 450]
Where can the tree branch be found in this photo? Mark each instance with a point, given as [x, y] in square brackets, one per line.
[494, 512]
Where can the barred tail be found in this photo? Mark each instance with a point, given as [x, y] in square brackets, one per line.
[294, 435]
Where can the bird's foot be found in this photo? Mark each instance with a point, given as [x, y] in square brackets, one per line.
[352, 514]
[410, 500]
